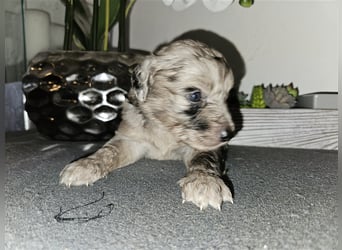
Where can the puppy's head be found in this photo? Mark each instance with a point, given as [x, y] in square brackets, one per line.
[184, 87]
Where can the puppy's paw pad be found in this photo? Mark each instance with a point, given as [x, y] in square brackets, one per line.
[203, 190]
[82, 172]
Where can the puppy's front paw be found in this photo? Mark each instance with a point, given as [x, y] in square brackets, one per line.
[204, 189]
[82, 172]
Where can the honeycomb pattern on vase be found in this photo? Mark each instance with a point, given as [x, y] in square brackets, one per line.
[77, 95]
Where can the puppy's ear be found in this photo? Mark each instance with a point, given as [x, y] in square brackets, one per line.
[141, 79]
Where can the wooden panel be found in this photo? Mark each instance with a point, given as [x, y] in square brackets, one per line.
[295, 128]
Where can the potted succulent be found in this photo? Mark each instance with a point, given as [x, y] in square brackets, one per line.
[77, 93]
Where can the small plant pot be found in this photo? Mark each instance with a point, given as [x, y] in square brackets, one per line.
[78, 95]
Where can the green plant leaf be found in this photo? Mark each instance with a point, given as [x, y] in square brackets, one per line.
[114, 6]
[129, 7]
[78, 43]
[82, 18]
[69, 24]
[82, 25]
[81, 41]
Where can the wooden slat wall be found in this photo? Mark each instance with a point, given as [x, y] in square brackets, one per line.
[290, 128]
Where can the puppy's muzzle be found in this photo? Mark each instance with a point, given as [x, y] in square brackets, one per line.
[226, 134]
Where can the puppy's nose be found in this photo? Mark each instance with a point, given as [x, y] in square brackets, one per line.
[226, 135]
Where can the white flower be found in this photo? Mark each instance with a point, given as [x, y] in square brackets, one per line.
[212, 5]
[217, 5]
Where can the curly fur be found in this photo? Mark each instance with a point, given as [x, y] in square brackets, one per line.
[176, 109]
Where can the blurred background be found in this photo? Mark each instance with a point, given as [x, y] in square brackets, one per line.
[274, 41]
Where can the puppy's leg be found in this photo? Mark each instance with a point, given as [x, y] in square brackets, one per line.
[203, 184]
[114, 154]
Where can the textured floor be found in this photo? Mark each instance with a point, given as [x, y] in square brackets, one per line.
[284, 199]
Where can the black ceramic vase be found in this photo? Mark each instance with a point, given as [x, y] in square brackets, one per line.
[74, 95]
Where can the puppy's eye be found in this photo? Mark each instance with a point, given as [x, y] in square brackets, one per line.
[195, 96]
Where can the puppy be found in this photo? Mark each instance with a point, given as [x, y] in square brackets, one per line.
[176, 109]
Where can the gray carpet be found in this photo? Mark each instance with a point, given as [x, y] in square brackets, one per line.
[284, 199]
